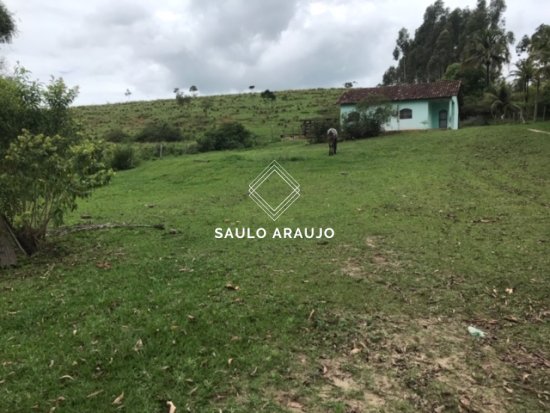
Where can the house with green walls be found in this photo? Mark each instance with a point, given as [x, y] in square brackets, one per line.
[415, 106]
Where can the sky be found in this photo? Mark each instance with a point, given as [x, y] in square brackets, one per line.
[221, 46]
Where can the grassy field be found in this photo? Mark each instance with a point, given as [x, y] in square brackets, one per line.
[434, 232]
[268, 120]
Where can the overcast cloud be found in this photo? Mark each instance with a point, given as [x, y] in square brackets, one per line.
[150, 47]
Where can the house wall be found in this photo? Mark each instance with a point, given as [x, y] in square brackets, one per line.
[435, 107]
[420, 116]
[425, 114]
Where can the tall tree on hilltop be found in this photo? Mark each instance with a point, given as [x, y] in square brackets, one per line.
[403, 43]
[442, 55]
[475, 39]
[422, 47]
[489, 42]
[489, 47]
[390, 76]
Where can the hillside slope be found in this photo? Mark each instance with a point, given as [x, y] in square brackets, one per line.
[266, 119]
[434, 232]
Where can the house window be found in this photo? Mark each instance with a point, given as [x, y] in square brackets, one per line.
[405, 114]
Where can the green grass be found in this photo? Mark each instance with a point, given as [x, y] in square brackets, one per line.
[270, 121]
[430, 229]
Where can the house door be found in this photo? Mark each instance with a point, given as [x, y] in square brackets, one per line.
[443, 119]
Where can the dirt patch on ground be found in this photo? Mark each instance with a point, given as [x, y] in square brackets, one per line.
[375, 257]
[373, 241]
[289, 402]
[353, 268]
[421, 365]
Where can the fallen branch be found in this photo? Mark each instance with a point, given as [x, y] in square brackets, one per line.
[91, 227]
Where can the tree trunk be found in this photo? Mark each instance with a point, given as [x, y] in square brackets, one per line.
[535, 112]
[7, 250]
[29, 240]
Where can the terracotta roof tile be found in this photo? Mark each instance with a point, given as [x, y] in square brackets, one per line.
[439, 89]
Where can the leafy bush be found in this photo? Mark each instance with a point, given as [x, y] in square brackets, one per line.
[30, 105]
[365, 123]
[316, 131]
[148, 151]
[41, 178]
[45, 164]
[123, 158]
[159, 132]
[192, 148]
[231, 135]
[116, 135]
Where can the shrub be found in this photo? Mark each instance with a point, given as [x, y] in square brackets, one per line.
[231, 135]
[365, 123]
[193, 148]
[316, 131]
[116, 135]
[159, 132]
[147, 151]
[42, 177]
[123, 158]
[45, 164]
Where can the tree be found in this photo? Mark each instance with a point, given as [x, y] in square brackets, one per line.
[538, 48]
[489, 47]
[193, 90]
[502, 105]
[28, 104]
[230, 135]
[472, 78]
[46, 164]
[524, 74]
[349, 85]
[539, 51]
[7, 25]
[269, 98]
[181, 98]
[390, 76]
[473, 39]
[57, 98]
[128, 93]
[442, 55]
[43, 176]
[403, 43]
[488, 43]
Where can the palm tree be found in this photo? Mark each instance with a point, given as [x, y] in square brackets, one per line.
[524, 74]
[502, 104]
[490, 48]
[539, 51]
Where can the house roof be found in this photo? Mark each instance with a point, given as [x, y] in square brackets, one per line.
[439, 89]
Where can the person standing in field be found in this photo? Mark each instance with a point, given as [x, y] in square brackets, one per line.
[332, 137]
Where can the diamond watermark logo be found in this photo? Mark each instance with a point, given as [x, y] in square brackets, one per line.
[274, 190]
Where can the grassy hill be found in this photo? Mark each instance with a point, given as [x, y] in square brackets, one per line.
[434, 232]
[267, 120]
